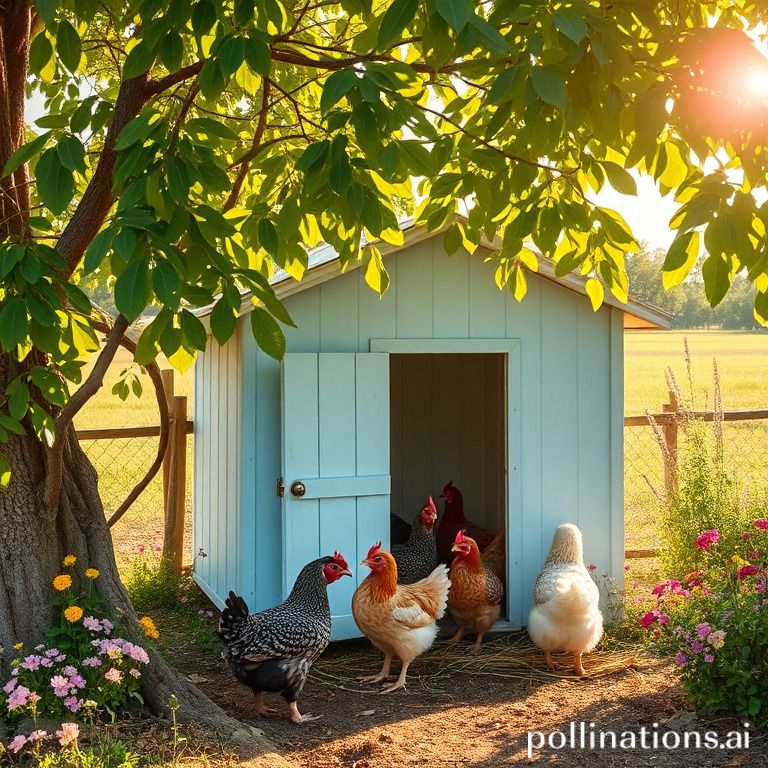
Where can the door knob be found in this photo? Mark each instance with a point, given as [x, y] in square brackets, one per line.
[298, 488]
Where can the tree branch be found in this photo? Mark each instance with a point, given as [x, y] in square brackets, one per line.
[258, 135]
[158, 86]
[98, 196]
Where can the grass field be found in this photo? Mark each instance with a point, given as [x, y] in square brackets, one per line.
[742, 360]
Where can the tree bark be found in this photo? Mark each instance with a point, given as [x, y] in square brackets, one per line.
[34, 541]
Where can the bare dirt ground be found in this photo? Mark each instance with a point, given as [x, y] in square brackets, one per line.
[466, 711]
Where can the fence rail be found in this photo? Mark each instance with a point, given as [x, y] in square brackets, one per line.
[138, 459]
[649, 473]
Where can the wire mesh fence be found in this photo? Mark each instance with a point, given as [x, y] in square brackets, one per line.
[121, 462]
[745, 450]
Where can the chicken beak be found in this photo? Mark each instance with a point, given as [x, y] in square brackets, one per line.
[366, 562]
[346, 572]
[455, 548]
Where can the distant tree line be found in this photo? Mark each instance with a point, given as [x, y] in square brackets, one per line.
[687, 301]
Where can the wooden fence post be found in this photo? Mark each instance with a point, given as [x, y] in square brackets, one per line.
[168, 380]
[175, 503]
[670, 438]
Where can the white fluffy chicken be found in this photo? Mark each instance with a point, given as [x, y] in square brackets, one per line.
[566, 616]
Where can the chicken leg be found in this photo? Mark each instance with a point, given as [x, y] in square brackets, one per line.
[297, 717]
[383, 675]
[548, 660]
[578, 668]
[400, 682]
[457, 637]
[261, 707]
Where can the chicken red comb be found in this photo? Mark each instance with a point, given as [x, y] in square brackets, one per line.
[460, 537]
[339, 558]
[430, 505]
[374, 549]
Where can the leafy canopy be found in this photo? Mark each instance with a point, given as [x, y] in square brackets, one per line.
[189, 149]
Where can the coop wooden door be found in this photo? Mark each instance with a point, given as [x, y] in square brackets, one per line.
[335, 466]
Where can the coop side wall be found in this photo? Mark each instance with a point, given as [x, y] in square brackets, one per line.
[217, 528]
[570, 396]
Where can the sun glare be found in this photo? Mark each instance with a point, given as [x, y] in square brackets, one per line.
[757, 82]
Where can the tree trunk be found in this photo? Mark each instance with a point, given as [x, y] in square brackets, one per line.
[34, 541]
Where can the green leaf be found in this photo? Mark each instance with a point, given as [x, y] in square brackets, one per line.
[312, 155]
[203, 17]
[716, 272]
[55, 183]
[14, 324]
[398, 16]
[338, 85]
[680, 258]
[503, 86]
[257, 56]
[193, 330]
[761, 307]
[620, 179]
[165, 283]
[68, 45]
[456, 12]
[97, 250]
[268, 236]
[11, 425]
[172, 51]
[223, 321]
[230, 55]
[267, 333]
[40, 53]
[594, 289]
[375, 273]
[77, 298]
[132, 289]
[138, 61]
[25, 153]
[549, 85]
[207, 126]
[273, 304]
[71, 153]
[18, 399]
[488, 35]
[571, 25]
[136, 130]
[212, 82]
[31, 269]
[341, 176]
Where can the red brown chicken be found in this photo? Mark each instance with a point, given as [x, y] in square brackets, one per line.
[453, 521]
[474, 601]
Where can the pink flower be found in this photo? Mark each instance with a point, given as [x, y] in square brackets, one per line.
[73, 703]
[697, 646]
[31, 663]
[140, 549]
[648, 619]
[209, 614]
[69, 670]
[47, 663]
[703, 629]
[139, 654]
[37, 735]
[709, 658]
[113, 675]
[52, 652]
[746, 536]
[681, 659]
[78, 681]
[91, 623]
[746, 571]
[18, 698]
[627, 567]
[92, 661]
[10, 685]
[134, 673]
[106, 626]
[60, 686]
[707, 538]
[18, 742]
[761, 523]
[68, 734]
[592, 567]
[663, 619]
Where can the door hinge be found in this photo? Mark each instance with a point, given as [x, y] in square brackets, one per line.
[280, 487]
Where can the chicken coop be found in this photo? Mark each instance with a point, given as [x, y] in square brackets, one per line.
[381, 401]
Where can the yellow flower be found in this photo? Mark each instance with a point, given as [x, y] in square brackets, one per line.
[62, 582]
[150, 630]
[69, 560]
[18, 646]
[92, 573]
[73, 613]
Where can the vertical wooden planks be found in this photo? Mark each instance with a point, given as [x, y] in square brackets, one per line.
[617, 443]
[377, 315]
[301, 517]
[414, 292]
[450, 292]
[339, 314]
[338, 458]
[487, 304]
[594, 435]
[214, 456]
[304, 309]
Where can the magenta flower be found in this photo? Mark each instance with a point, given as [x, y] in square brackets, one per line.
[746, 536]
[73, 703]
[761, 523]
[746, 571]
[31, 663]
[648, 619]
[703, 629]
[60, 686]
[709, 658]
[681, 659]
[697, 646]
[10, 685]
[707, 538]
[18, 698]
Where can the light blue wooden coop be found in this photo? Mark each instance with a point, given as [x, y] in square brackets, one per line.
[380, 401]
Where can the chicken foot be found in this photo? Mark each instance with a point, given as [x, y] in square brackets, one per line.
[383, 675]
[457, 637]
[548, 660]
[400, 682]
[578, 667]
[261, 707]
[298, 718]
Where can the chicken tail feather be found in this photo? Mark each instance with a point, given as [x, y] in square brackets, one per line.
[232, 617]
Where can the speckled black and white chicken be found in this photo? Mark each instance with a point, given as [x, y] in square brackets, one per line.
[566, 616]
[273, 650]
[417, 558]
